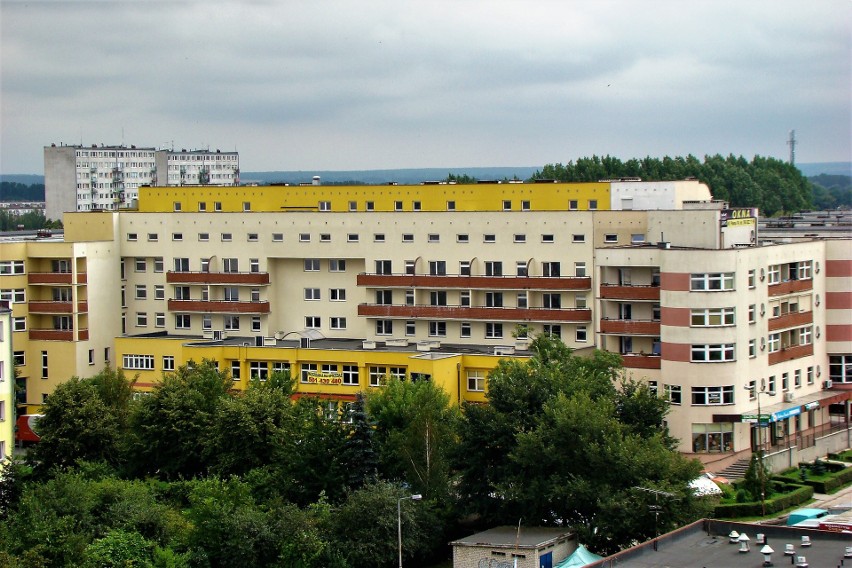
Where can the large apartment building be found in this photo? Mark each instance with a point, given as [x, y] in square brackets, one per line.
[98, 178]
[345, 285]
[7, 384]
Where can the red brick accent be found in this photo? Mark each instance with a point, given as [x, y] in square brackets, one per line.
[676, 317]
[676, 352]
[674, 281]
[838, 332]
[838, 300]
[841, 268]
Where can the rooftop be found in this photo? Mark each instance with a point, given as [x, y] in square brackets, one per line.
[512, 537]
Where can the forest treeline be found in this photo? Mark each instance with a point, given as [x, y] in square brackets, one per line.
[198, 475]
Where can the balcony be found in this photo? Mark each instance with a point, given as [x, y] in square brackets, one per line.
[465, 282]
[50, 278]
[639, 361]
[630, 327]
[790, 353]
[790, 286]
[58, 334]
[621, 292]
[36, 307]
[234, 278]
[218, 306]
[475, 313]
[794, 319]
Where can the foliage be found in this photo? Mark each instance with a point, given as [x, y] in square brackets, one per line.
[360, 447]
[756, 480]
[770, 184]
[15, 191]
[119, 549]
[786, 496]
[831, 191]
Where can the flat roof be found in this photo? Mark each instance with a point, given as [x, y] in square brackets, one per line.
[510, 537]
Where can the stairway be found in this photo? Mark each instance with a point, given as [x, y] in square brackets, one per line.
[736, 470]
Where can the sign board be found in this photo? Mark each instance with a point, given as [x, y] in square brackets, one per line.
[738, 217]
[752, 418]
[324, 378]
[786, 413]
[812, 405]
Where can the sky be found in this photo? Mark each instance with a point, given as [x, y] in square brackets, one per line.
[346, 85]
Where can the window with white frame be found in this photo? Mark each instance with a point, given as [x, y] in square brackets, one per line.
[437, 329]
[312, 322]
[337, 294]
[351, 375]
[259, 370]
[476, 380]
[711, 282]
[493, 330]
[312, 294]
[337, 322]
[141, 292]
[580, 269]
[673, 393]
[712, 353]
[377, 375]
[337, 265]
[231, 322]
[183, 321]
[141, 319]
[138, 362]
[168, 363]
[581, 335]
[712, 317]
[464, 329]
[710, 396]
[384, 327]
[773, 342]
[410, 328]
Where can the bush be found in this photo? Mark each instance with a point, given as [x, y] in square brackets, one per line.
[788, 496]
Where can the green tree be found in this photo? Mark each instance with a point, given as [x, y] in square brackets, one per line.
[360, 448]
[119, 549]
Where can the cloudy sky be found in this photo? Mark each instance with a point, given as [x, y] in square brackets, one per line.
[348, 85]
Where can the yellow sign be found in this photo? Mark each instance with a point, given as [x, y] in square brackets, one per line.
[325, 378]
[740, 222]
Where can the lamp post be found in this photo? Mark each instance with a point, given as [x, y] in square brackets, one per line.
[415, 497]
[762, 473]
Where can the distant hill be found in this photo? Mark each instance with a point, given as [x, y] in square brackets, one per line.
[26, 179]
[828, 168]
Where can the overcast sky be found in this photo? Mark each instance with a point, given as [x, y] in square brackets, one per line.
[351, 85]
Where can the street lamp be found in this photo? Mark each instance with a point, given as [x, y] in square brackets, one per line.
[415, 497]
[757, 394]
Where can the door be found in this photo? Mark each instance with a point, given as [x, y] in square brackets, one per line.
[545, 560]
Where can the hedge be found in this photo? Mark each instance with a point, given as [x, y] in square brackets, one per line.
[840, 477]
[793, 495]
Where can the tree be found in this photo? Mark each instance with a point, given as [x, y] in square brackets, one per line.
[360, 448]
[171, 426]
[84, 419]
[416, 431]
[119, 549]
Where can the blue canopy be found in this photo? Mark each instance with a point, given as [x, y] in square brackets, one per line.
[581, 557]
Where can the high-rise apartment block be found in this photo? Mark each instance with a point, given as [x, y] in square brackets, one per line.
[343, 286]
[104, 178]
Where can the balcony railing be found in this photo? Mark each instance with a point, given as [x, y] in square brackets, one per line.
[639, 361]
[630, 327]
[219, 306]
[794, 319]
[790, 353]
[56, 307]
[51, 278]
[58, 334]
[462, 281]
[790, 286]
[567, 315]
[244, 278]
[621, 292]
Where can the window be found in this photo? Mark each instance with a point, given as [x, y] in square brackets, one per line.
[18, 295]
[397, 205]
[158, 264]
[230, 293]
[159, 319]
[153, 237]
[493, 268]
[231, 323]
[206, 322]
[277, 237]
[712, 353]
[312, 294]
[384, 297]
[202, 206]
[410, 328]
[507, 205]
[377, 376]
[717, 437]
[183, 321]
[522, 300]
[132, 237]
[251, 237]
[325, 205]
[325, 237]
[578, 238]
[141, 265]
[771, 382]
[19, 323]
[637, 238]
[138, 362]
[752, 313]
[489, 238]
[462, 238]
[235, 370]
[773, 274]
[434, 238]
[45, 366]
[580, 303]
[493, 330]
[581, 335]
[246, 206]
[337, 294]
[312, 265]
[336, 265]
[476, 380]
[551, 300]
[178, 237]
[437, 298]
[797, 378]
[255, 323]
[369, 206]
[520, 238]
[182, 293]
[258, 370]
[168, 363]
[752, 348]
[752, 281]
[217, 205]
[712, 317]
[141, 319]
[352, 238]
[708, 396]
[673, 393]
[611, 238]
[464, 298]
[176, 206]
[407, 238]
[805, 269]
[384, 327]
[350, 375]
[312, 322]
[810, 371]
[437, 267]
[593, 204]
[304, 237]
[572, 204]
[464, 329]
[525, 205]
[551, 269]
[580, 269]
[281, 367]
[409, 266]
[254, 265]
[805, 336]
[547, 239]
[464, 268]
[415, 205]
[141, 292]
[451, 205]
[181, 264]
[494, 299]
[437, 329]
[337, 322]
[227, 237]
[19, 358]
[384, 267]
[711, 282]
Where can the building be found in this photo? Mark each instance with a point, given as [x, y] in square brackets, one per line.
[96, 178]
[345, 285]
[7, 384]
[524, 547]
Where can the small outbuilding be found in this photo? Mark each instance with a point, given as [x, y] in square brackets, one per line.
[501, 547]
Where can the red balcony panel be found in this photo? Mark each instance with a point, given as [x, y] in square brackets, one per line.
[790, 286]
[83, 307]
[219, 306]
[790, 320]
[616, 292]
[50, 307]
[50, 278]
[790, 353]
[81, 278]
[641, 361]
[83, 335]
[630, 327]
[56, 334]
[475, 313]
[474, 282]
[238, 278]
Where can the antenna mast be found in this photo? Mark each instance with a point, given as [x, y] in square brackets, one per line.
[791, 142]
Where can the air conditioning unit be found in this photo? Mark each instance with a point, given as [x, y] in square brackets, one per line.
[366, 344]
[504, 350]
[788, 397]
[827, 384]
